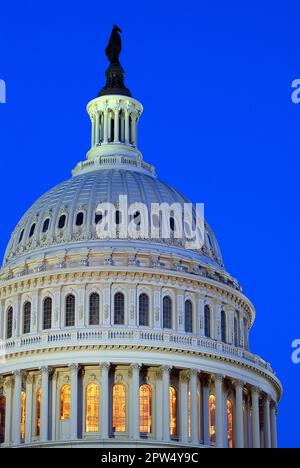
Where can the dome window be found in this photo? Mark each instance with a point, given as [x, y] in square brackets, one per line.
[98, 218]
[46, 225]
[32, 229]
[137, 218]
[21, 236]
[62, 222]
[118, 217]
[79, 219]
[172, 224]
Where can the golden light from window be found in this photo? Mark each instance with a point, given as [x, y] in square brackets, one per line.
[212, 418]
[92, 407]
[65, 402]
[2, 418]
[23, 415]
[38, 412]
[146, 409]
[173, 411]
[230, 423]
[119, 408]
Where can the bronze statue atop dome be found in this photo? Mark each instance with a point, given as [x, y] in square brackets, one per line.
[114, 47]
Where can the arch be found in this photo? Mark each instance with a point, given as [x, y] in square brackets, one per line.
[65, 402]
[62, 221]
[47, 313]
[38, 412]
[26, 317]
[207, 321]
[188, 317]
[230, 423]
[223, 327]
[23, 415]
[146, 409]
[173, 411]
[70, 311]
[119, 309]
[2, 418]
[144, 310]
[79, 219]
[92, 407]
[212, 419]
[167, 312]
[9, 323]
[94, 309]
[119, 408]
[46, 225]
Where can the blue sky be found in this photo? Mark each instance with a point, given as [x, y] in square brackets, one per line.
[219, 125]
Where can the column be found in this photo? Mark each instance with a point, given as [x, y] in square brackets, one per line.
[133, 129]
[28, 420]
[194, 407]
[267, 425]
[166, 403]
[117, 127]
[274, 425]
[44, 404]
[219, 411]
[74, 401]
[201, 305]
[17, 408]
[127, 127]
[205, 410]
[255, 417]
[97, 128]
[239, 432]
[8, 410]
[104, 401]
[184, 414]
[93, 129]
[159, 405]
[135, 393]
[105, 127]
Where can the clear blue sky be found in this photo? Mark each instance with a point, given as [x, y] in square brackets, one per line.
[215, 80]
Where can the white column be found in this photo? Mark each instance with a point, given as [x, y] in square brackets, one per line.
[74, 401]
[194, 407]
[166, 403]
[97, 128]
[133, 128]
[127, 135]
[267, 425]
[205, 408]
[255, 417]
[239, 433]
[93, 130]
[44, 404]
[28, 420]
[135, 394]
[274, 425]
[104, 401]
[8, 410]
[159, 405]
[219, 411]
[17, 408]
[184, 414]
[117, 126]
[105, 127]
[201, 305]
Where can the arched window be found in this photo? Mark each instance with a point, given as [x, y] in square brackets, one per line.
[79, 219]
[230, 423]
[92, 407]
[119, 408]
[47, 313]
[167, 312]
[38, 412]
[2, 418]
[144, 310]
[32, 229]
[26, 318]
[207, 327]
[236, 331]
[173, 411]
[145, 409]
[23, 415]
[46, 225]
[119, 309]
[62, 222]
[94, 309]
[70, 310]
[188, 317]
[65, 402]
[212, 419]
[9, 323]
[21, 236]
[223, 326]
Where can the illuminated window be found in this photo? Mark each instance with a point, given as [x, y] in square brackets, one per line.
[223, 326]
[27, 318]
[212, 419]
[9, 323]
[92, 407]
[47, 314]
[207, 321]
[94, 309]
[38, 412]
[167, 312]
[119, 309]
[65, 402]
[146, 409]
[144, 310]
[2, 418]
[173, 412]
[23, 415]
[188, 317]
[70, 311]
[230, 423]
[119, 408]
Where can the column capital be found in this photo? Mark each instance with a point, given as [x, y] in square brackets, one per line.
[29, 379]
[194, 372]
[74, 367]
[166, 368]
[45, 370]
[239, 383]
[219, 378]
[256, 390]
[184, 376]
[104, 365]
[136, 366]
[266, 398]
[18, 373]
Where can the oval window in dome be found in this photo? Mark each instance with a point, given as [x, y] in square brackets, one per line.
[79, 219]
[46, 225]
[21, 236]
[62, 222]
[32, 229]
